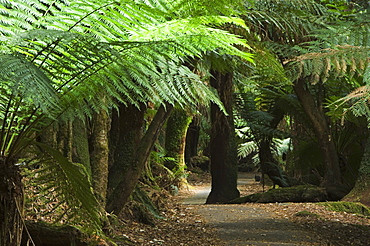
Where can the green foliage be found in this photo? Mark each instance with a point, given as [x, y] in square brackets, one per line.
[349, 207]
[305, 213]
[68, 183]
[58, 56]
[319, 66]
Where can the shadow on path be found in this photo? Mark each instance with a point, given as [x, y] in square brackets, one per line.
[201, 193]
[246, 225]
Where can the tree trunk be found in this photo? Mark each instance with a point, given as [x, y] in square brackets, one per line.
[122, 192]
[224, 164]
[65, 139]
[177, 125]
[361, 191]
[126, 131]
[192, 139]
[332, 179]
[11, 203]
[99, 155]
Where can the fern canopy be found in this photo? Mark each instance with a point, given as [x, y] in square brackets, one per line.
[58, 56]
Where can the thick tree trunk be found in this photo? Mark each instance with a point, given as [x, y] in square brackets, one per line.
[99, 155]
[11, 203]
[224, 164]
[123, 190]
[177, 125]
[361, 191]
[332, 179]
[126, 131]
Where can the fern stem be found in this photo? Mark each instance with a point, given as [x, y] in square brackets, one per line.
[3, 130]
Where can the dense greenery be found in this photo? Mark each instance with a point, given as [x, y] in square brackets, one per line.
[299, 102]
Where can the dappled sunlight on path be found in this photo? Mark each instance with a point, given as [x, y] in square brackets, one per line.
[244, 224]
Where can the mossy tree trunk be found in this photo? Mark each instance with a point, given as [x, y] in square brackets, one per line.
[361, 191]
[11, 203]
[99, 153]
[314, 110]
[135, 166]
[177, 125]
[224, 165]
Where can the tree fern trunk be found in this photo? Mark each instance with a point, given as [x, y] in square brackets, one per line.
[11, 203]
[224, 165]
[134, 168]
[127, 129]
[361, 191]
[99, 155]
[177, 125]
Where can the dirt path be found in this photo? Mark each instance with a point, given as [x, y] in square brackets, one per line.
[245, 224]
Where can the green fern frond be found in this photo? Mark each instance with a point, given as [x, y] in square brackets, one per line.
[70, 183]
[247, 148]
[330, 62]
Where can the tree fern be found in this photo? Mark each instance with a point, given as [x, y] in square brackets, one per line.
[74, 50]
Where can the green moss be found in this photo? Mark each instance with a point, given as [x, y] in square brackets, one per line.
[306, 213]
[349, 207]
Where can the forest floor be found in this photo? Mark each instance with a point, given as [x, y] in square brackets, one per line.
[190, 222]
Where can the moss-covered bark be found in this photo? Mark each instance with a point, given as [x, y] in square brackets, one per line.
[361, 191]
[224, 164]
[99, 155]
[177, 125]
[300, 193]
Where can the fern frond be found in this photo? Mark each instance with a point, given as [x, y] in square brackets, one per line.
[330, 62]
[70, 183]
[247, 148]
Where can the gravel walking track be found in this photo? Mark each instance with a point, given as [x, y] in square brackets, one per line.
[243, 224]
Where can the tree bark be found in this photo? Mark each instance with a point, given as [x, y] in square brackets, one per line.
[126, 131]
[177, 125]
[99, 155]
[361, 191]
[192, 139]
[332, 179]
[65, 139]
[122, 192]
[176, 128]
[11, 203]
[224, 165]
